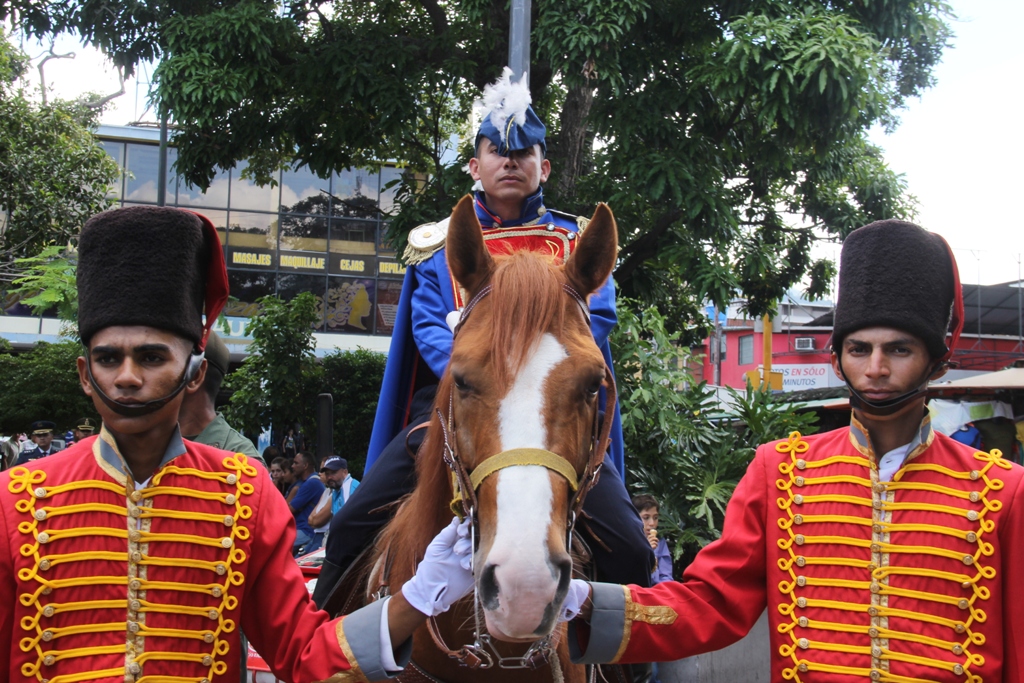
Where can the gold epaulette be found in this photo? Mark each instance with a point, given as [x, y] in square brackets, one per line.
[581, 221]
[424, 241]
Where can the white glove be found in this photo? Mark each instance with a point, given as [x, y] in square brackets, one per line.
[579, 591]
[445, 574]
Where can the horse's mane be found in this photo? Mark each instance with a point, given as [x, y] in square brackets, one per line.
[526, 300]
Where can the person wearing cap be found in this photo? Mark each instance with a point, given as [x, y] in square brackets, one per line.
[84, 428]
[338, 486]
[140, 556]
[42, 437]
[199, 417]
[510, 167]
[883, 551]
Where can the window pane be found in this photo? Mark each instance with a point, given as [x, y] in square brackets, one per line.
[247, 287]
[388, 292]
[251, 240]
[303, 244]
[216, 196]
[350, 305]
[290, 286]
[245, 194]
[353, 236]
[116, 152]
[355, 193]
[303, 192]
[746, 350]
[388, 176]
[143, 165]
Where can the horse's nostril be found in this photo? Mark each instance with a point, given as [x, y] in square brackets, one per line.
[564, 575]
[488, 588]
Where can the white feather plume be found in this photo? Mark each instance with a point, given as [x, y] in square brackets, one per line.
[504, 99]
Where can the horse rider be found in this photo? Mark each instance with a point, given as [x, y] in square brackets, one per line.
[207, 550]
[509, 166]
[42, 438]
[883, 551]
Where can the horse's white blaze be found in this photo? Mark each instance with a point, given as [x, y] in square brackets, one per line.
[519, 550]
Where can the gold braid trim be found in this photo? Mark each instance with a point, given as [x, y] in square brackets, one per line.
[879, 497]
[138, 512]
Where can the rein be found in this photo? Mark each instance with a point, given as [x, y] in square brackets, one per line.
[481, 654]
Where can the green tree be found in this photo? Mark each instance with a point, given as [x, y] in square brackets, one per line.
[41, 384]
[53, 174]
[681, 446]
[279, 380]
[354, 379]
[732, 133]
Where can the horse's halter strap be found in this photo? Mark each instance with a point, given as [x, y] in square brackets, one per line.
[524, 456]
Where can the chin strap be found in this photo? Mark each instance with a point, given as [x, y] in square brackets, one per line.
[891, 405]
[140, 409]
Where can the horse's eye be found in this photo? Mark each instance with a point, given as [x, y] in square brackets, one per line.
[460, 382]
[595, 386]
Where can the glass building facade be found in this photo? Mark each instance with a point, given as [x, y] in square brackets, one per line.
[306, 234]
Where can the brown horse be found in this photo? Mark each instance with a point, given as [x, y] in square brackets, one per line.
[516, 419]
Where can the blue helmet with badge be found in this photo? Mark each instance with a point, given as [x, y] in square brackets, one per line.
[508, 119]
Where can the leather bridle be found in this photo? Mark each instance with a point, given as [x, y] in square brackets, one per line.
[482, 653]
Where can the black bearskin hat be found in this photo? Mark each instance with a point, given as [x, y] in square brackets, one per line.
[896, 274]
[153, 266]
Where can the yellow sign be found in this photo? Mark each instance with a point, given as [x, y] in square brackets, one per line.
[248, 258]
[391, 268]
[351, 265]
[305, 262]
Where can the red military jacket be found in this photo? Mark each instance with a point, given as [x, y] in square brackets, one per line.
[911, 580]
[103, 582]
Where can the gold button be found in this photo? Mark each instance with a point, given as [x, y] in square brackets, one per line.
[49, 611]
[801, 581]
[801, 464]
[975, 474]
[798, 499]
[213, 614]
[971, 537]
[878, 488]
[43, 537]
[40, 515]
[220, 569]
[228, 521]
[963, 604]
[958, 669]
[975, 496]
[136, 556]
[803, 667]
[230, 499]
[135, 584]
[48, 660]
[875, 548]
[966, 584]
[873, 632]
[803, 621]
[47, 590]
[207, 660]
[801, 602]
[877, 504]
[135, 668]
[803, 643]
[135, 536]
[958, 649]
[972, 515]
[968, 560]
[798, 519]
[232, 479]
[136, 496]
[877, 528]
[216, 592]
[876, 675]
[799, 539]
[873, 611]
[799, 481]
[47, 636]
[801, 560]
[44, 565]
[225, 542]
[135, 605]
[876, 651]
[40, 492]
[135, 512]
[207, 637]
[875, 588]
[133, 626]
[960, 628]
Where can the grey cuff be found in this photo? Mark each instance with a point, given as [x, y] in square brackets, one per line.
[607, 625]
[362, 631]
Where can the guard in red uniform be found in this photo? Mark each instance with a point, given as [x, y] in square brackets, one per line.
[883, 551]
[137, 556]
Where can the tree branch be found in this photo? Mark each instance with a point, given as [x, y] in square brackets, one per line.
[49, 54]
[438, 18]
[646, 246]
[99, 103]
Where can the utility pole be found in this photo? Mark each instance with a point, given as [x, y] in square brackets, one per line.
[161, 175]
[766, 376]
[519, 40]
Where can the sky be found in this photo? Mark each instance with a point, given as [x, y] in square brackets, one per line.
[960, 145]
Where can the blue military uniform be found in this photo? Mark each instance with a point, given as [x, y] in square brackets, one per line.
[39, 427]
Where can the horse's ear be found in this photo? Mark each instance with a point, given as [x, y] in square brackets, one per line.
[468, 258]
[594, 258]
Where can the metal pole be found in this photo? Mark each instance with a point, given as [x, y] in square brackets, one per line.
[519, 40]
[766, 336]
[161, 176]
[716, 354]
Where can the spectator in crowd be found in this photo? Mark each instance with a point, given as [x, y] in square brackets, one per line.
[199, 420]
[340, 485]
[307, 495]
[84, 428]
[647, 506]
[8, 452]
[42, 437]
[292, 442]
[281, 474]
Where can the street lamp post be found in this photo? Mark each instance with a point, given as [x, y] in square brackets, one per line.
[519, 40]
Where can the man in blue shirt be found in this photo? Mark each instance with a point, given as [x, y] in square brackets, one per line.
[509, 167]
[306, 498]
